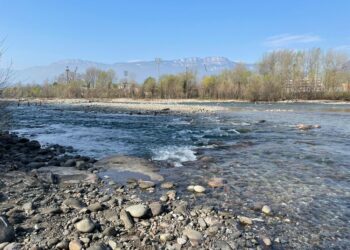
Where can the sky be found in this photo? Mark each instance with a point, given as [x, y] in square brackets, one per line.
[40, 32]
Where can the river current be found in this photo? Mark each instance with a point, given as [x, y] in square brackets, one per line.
[303, 175]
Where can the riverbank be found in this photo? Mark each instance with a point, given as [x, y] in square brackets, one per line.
[43, 209]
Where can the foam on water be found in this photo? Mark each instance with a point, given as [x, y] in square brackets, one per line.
[175, 154]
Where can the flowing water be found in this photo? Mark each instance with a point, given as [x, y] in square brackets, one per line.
[303, 175]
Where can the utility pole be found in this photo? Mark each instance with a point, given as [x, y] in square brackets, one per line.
[67, 74]
[158, 61]
[126, 78]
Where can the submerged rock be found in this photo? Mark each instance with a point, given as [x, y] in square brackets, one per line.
[146, 184]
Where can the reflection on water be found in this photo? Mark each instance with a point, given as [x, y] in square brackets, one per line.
[303, 175]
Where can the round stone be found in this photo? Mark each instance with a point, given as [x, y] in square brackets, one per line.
[199, 189]
[193, 234]
[138, 210]
[75, 245]
[266, 209]
[85, 226]
[167, 185]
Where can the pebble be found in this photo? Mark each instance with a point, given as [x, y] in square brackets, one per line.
[167, 185]
[267, 241]
[165, 237]
[156, 208]
[193, 235]
[216, 182]
[75, 245]
[73, 203]
[95, 207]
[199, 189]
[181, 240]
[266, 210]
[137, 211]
[127, 220]
[146, 184]
[245, 220]
[85, 226]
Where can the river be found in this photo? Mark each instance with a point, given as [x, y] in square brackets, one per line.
[303, 175]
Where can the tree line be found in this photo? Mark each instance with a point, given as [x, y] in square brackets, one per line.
[279, 75]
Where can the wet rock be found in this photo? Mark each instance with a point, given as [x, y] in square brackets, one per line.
[70, 163]
[156, 208]
[85, 226]
[307, 127]
[266, 210]
[216, 182]
[75, 245]
[7, 233]
[167, 185]
[73, 203]
[199, 189]
[245, 220]
[137, 211]
[146, 184]
[127, 220]
[193, 235]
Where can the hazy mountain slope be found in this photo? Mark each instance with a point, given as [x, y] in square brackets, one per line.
[136, 70]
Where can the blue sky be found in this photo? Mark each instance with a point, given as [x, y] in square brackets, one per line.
[43, 31]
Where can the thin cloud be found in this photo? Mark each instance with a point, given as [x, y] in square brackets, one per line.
[289, 39]
[343, 47]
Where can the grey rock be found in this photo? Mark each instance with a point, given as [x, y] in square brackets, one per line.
[126, 219]
[222, 245]
[85, 226]
[138, 210]
[7, 233]
[156, 208]
[74, 203]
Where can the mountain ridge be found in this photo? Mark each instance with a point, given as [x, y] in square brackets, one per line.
[137, 70]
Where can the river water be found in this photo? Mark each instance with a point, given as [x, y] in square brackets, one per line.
[303, 175]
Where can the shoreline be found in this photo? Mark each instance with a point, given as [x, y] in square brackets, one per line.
[96, 213]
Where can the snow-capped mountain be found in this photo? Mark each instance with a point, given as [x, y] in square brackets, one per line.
[137, 70]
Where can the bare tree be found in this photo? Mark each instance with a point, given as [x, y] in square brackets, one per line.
[4, 78]
[4, 70]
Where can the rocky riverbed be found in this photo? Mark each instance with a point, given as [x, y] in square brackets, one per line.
[75, 209]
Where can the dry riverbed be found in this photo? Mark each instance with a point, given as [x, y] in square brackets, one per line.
[53, 199]
[141, 105]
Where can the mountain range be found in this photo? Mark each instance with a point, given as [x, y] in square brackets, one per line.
[136, 70]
